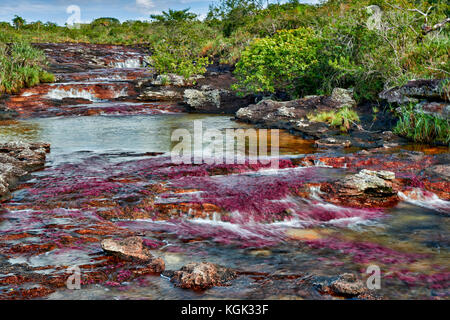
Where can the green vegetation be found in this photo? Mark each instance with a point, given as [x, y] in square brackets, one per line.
[343, 118]
[21, 66]
[295, 48]
[421, 127]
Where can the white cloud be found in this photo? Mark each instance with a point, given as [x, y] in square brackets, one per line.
[145, 4]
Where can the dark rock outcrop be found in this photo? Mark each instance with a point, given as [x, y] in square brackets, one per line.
[293, 115]
[17, 159]
[434, 89]
[206, 94]
[201, 276]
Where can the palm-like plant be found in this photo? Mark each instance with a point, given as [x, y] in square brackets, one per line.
[18, 22]
[174, 16]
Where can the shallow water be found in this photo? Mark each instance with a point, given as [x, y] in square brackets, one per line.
[277, 259]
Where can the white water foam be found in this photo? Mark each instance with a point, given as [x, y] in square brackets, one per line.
[426, 199]
[129, 63]
[59, 94]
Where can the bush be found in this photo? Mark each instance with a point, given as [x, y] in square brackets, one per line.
[287, 61]
[179, 48]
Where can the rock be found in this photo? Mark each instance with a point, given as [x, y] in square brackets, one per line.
[348, 285]
[210, 99]
[344, 97]
[333, 142]
[175, 80]
[293, 115]
[367, 181]
[434, 89]
[6, 113]
[17, 159]
[157, 94]
[365, 189]
[440, 170]
[436, 109]
[131, 248]
[201, 276]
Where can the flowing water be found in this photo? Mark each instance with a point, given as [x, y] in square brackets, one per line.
[110, 175]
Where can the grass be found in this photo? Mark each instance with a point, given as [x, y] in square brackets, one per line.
[421, 127]
[21, 66]
[343, 118]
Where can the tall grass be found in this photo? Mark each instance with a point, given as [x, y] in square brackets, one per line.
[343, 118]
[422, 127]
[21, 66]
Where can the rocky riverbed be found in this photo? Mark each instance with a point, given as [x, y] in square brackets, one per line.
[102, 195]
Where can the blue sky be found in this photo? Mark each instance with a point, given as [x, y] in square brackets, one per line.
[55, 10]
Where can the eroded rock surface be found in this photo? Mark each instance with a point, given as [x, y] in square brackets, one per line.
[133, 249]
[17, 159]
[433, 89]
[201, 276]
[365, 189]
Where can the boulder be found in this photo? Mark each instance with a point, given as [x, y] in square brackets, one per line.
[436, 109]
[348, 285]
[432, 89]
[17, 159]
[160, 94]
[367, 181]
[344, 97]
[201, 276]
[211, 99]
[174, 80]
[366, 189]
[131, 248]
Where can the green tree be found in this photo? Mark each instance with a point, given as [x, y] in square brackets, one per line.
[174, 16]
[18, 22]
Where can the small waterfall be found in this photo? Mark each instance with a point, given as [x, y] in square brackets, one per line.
[132, 63]
[59, 94]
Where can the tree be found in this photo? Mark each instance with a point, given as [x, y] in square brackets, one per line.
[18, 22]
[174, 16]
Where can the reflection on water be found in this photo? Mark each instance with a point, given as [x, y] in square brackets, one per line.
[137, 134]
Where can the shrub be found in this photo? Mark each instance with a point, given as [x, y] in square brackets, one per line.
[287, 61]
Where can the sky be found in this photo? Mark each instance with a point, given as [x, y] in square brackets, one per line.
[57, 10]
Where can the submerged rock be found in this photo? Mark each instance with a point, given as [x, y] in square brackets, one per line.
[201, 276]
[348, 285]
[6, 113]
